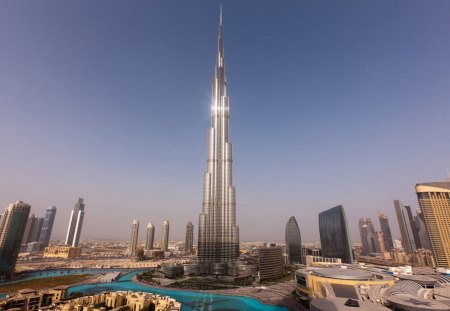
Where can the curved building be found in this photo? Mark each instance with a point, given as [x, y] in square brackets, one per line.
[434, 201]
[150, 238]
[218, 234]
[165, 236]
[334, 236]
[293, 242]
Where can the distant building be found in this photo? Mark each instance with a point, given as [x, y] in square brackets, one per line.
[75, 224]
[422, 230]
[189, 241]
[172, 271]
[62, 251]
[434, 201]
[270, 262]
[150, 237]
[380, 241]
[47, 227]
[407, 227]
[293, 241]
[397, 244]
[386, 229]
[368, 238]
[334, 235]
[31, 222]
[165, 236]
[134, 238]
[12, 229]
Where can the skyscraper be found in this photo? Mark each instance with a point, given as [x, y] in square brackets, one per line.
[134, 238]
[47, 227]
[422, 230]
[334, 236]
[189, 242]
[150, 238]
[434, 201]
[293, 241]
[368, 237]
[31, 222]
[404, 217]
[386, 229]
[12, 228]
[35, 233]
[75, 224]
[165, 236]
[218, 234]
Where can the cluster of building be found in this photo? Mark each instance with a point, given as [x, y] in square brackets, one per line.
[21, 233]
[55, 299]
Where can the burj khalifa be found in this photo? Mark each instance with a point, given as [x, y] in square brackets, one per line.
[218, 234]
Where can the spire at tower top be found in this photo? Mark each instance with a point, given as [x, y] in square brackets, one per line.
[220, 61]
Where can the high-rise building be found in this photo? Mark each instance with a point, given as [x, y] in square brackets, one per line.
[270, 261]
[150, 238]
[47, 227]
[36, 232]
[31, 222]
[12, 228]
[134, 238]
[334, 235]
[293, 242]
[165, 236]
[75, 224]
[189, 242]
[386, 229]
[434, 201]
[405, 220]
[218, 234]
[380, 241]
[368, 237]
[422, 230]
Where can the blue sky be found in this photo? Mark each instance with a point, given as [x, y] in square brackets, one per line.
[332, 102]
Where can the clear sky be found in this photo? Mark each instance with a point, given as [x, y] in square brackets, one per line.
[332, 102]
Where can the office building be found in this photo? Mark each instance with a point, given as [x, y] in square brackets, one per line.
[218, 234]
[165, 236]
[150, 238]
[368, 237]
[35, 233]
[422, 230]
[270, 261]
[293, 242]
[31, 222]
[380, 241]
[12, 227]
[134, 238]
[189, 241]
[334, 235]
[434, 201]
[386, 229]
[47, 227]
[75, 224]
[405, 220]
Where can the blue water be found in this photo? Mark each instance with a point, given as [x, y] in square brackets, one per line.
[190, 300]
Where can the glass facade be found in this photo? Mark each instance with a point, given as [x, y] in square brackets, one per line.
[12, 229]
[334, 236]
[405, 222]
[386, 229]
[47, 227]
[293, 242]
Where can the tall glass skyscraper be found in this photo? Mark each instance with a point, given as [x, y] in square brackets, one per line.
[165, 236]
[386, 229]
[334, 237]
[404, 218]
[134, 238]
[293, 241]
[12, 228]
[150, 238]
[47, 227]
[434, 201]
[368, 237]
[75, 224]
[189, 242]
[218, 234]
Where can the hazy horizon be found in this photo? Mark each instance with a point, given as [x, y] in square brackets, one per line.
[331, 103]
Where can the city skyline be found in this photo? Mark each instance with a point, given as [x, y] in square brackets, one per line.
[317, 103]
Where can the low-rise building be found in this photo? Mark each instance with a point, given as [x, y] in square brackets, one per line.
[270, 262]
[62, 251]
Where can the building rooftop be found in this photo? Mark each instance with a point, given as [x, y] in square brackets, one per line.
[344, 304]
[345, 274]
[431, 186]
[406, 302]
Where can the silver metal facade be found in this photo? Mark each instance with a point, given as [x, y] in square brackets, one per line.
[134, 238]
[75, 224]
[218, 234]
[165, 236]
[150, 238]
